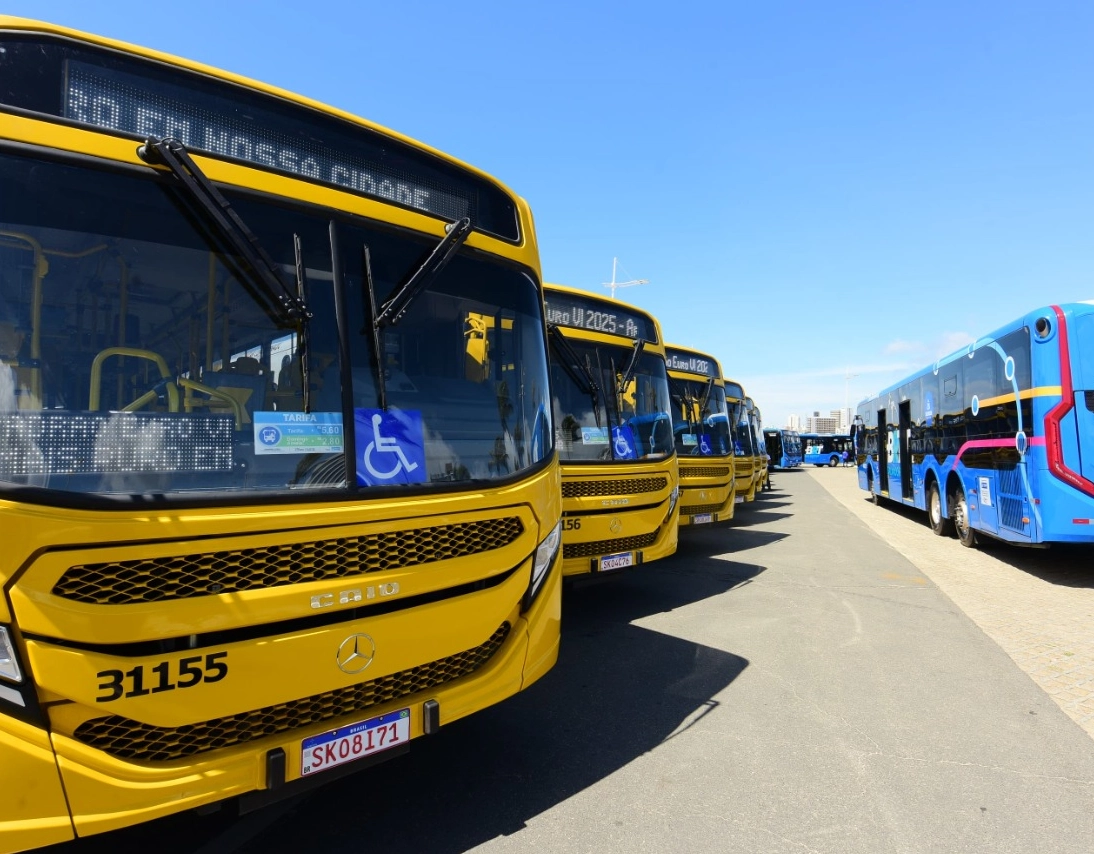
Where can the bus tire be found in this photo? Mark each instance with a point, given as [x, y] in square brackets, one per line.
[959, 509]
[833, 461]
[942, 526]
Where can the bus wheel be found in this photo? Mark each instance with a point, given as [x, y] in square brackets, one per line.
[833, 461]
[959, 509]
[942, 526]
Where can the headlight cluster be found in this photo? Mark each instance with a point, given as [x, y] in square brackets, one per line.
[9, 663]
[544, 558]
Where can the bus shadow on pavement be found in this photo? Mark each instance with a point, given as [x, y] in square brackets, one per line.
[618, 691]
[1062, 565]
[708, 542]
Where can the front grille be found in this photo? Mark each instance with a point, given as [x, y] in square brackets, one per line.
[607, 547]
[622, 486]
[691, 510]
[125, 582]
[704, 471]
[128, 739]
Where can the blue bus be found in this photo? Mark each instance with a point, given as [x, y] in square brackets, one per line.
[826, 449]
[784, 447]
[997, 439]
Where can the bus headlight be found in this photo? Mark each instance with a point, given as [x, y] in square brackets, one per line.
[546, 552]
[9, 664]
[672, 498]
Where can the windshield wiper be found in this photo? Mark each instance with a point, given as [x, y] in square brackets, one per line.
[373, 328]
[705, 396]
[632, 365]
[585, 381]
[265, 275]
[392, 311]
[219, 213]
[687, 404]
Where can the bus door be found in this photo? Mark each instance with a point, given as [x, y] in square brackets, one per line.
[907, 487]
[883, 438]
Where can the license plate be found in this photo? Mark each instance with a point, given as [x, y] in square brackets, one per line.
[738, 499]
[702, 518]
[356, 741]
[610, 562]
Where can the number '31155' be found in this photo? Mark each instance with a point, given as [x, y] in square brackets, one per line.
[164, 676]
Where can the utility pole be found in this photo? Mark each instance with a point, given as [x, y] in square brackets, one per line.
[613, 284]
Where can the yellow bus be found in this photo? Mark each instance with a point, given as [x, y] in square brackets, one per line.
[744, 444]
[704, 443]
[275, 435]
[761, 462]
[613, 431]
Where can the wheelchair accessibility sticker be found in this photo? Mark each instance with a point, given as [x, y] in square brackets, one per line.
[298, 433]
[623, 443]
[704, 446]
[390, 447]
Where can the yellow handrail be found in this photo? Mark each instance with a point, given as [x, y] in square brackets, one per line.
[160, 362]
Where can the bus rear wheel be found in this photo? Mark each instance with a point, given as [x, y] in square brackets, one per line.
[833, 461]
[942, 526]
[960, 509]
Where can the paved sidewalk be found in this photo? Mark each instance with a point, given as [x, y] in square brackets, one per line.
[1038, 605]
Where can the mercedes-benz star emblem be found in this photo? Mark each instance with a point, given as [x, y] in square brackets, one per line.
[615, 526]
[355, 653]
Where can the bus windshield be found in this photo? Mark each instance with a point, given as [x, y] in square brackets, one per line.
[743, 444]
[639, 411]
[701, 419]
[138, 357]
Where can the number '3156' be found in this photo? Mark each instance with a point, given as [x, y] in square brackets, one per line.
[165, 676]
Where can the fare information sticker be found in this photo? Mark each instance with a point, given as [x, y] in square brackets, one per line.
[298, 433]
[339, 746]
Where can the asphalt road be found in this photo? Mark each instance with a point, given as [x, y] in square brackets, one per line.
[790, 682]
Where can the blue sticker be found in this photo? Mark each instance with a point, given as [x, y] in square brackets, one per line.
[298, 433]
[594, 436]
[704, 446]
[390, 447]
[623, 443]
[928, 409]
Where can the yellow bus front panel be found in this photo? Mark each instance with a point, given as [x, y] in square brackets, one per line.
[614, 519]
[707, 491]
[141, 732]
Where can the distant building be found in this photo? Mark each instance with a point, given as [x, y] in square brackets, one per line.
[837, 421]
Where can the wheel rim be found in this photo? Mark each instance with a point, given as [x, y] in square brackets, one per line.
[960, 519]
[936, 507]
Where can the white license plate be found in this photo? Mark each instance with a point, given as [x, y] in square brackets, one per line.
[738, 499]
[702, 518]
[356, 741]
[610, 562]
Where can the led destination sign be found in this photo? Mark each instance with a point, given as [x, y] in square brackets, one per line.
[122, 102]
[131, 95]
[677, 360]
[564, 309]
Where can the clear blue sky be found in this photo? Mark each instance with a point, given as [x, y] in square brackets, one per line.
[823, 195]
